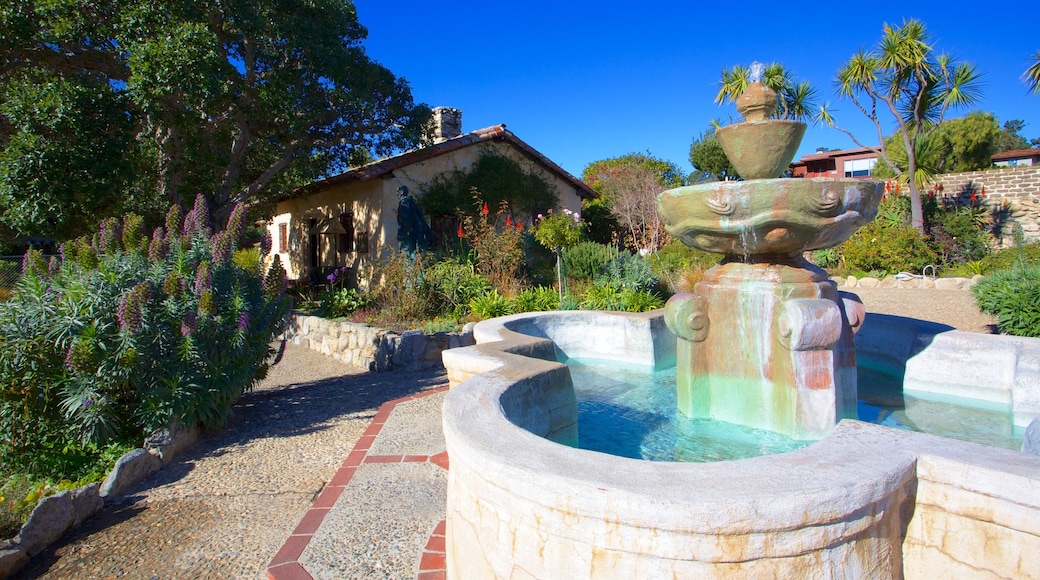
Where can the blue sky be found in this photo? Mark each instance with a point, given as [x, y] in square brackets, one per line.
[583, 81]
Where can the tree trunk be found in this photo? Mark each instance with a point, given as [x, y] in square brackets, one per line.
[916, 209]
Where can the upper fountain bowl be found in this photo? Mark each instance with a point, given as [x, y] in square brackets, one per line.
[761, 149]
[779, 216]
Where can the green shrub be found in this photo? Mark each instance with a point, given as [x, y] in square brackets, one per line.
[602, 297]
[681, 266]
[616, 298]
[490, 305]
[675, 257]
[887, 247]
[640, 301]
[451, 285]
[827, 258]
[539, 299]
[584, 260]
[629, 271]
[339, 302]
[960, 235]
[1013, 297]
[569, 303]
[127, 336]
[1006, 258]
[440, 325]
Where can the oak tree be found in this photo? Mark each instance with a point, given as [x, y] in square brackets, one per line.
[238, 101]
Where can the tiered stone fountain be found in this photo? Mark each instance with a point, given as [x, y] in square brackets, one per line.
[765, 340]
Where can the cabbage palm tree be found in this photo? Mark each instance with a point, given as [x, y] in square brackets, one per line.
[904, 77]
[1032, 74]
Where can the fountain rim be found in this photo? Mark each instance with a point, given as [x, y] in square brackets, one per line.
[850, 468]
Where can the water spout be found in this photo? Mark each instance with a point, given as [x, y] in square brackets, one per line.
[757, 69]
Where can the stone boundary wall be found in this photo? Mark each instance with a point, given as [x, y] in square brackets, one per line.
[372, 348]
[915, 282]
[58, 513]
[1012, 196]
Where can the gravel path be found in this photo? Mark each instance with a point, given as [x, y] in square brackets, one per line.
[226, 506]
[955, 308]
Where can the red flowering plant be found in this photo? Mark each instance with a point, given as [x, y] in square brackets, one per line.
[495, 243]
[130, 333]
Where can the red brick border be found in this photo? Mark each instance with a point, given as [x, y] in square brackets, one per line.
[431, 565]
[285, 564]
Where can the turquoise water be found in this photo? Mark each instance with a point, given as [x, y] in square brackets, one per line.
[631, 411]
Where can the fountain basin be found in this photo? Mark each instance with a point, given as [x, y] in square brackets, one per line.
[866, 501]
[770, 217]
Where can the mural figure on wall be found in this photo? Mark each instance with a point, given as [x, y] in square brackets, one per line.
[413, 233]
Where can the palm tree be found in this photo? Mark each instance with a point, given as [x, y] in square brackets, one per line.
[794, 101]
[917, 87]
[1032, 74]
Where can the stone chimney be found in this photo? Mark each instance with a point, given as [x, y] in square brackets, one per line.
[447, 123]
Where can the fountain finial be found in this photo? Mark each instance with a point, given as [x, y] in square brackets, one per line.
[757, 102]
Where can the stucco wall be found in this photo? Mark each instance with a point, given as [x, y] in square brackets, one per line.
[374, 203]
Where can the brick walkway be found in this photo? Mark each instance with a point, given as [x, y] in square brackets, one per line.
[318, 549]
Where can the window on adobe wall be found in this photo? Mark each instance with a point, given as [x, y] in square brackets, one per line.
[362, 242]
[346, 239]
[860, 167]
[283, 238]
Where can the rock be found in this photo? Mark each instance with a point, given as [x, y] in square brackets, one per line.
[1031, 439]
[927, 283]
[129, 470]
[888, 282]
[868, 282]
[169, 442]
[12, 558]
[86, 501]
[52, 516]
[949, 283]
[852, 282]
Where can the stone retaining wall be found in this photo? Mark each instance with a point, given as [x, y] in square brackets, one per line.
[917, 282]
[1012, 196]
[372, 348]
[57, 514]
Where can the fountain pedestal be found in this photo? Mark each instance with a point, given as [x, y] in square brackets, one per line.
[766, 339]
[768, 345]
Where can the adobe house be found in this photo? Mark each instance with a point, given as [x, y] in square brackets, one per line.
[350, 219]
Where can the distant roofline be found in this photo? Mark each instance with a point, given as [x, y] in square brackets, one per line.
[1016, 154]
[386, 166]
[832, 154]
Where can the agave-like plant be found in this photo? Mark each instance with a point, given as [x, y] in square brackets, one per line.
[1032, 74]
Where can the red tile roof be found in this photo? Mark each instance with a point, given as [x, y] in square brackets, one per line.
[1016, 154]
[831, 155]
[493, 133]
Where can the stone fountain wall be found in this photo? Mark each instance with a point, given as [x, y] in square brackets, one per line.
[865, 502]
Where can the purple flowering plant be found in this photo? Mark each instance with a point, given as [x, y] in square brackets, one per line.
[129, 333]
